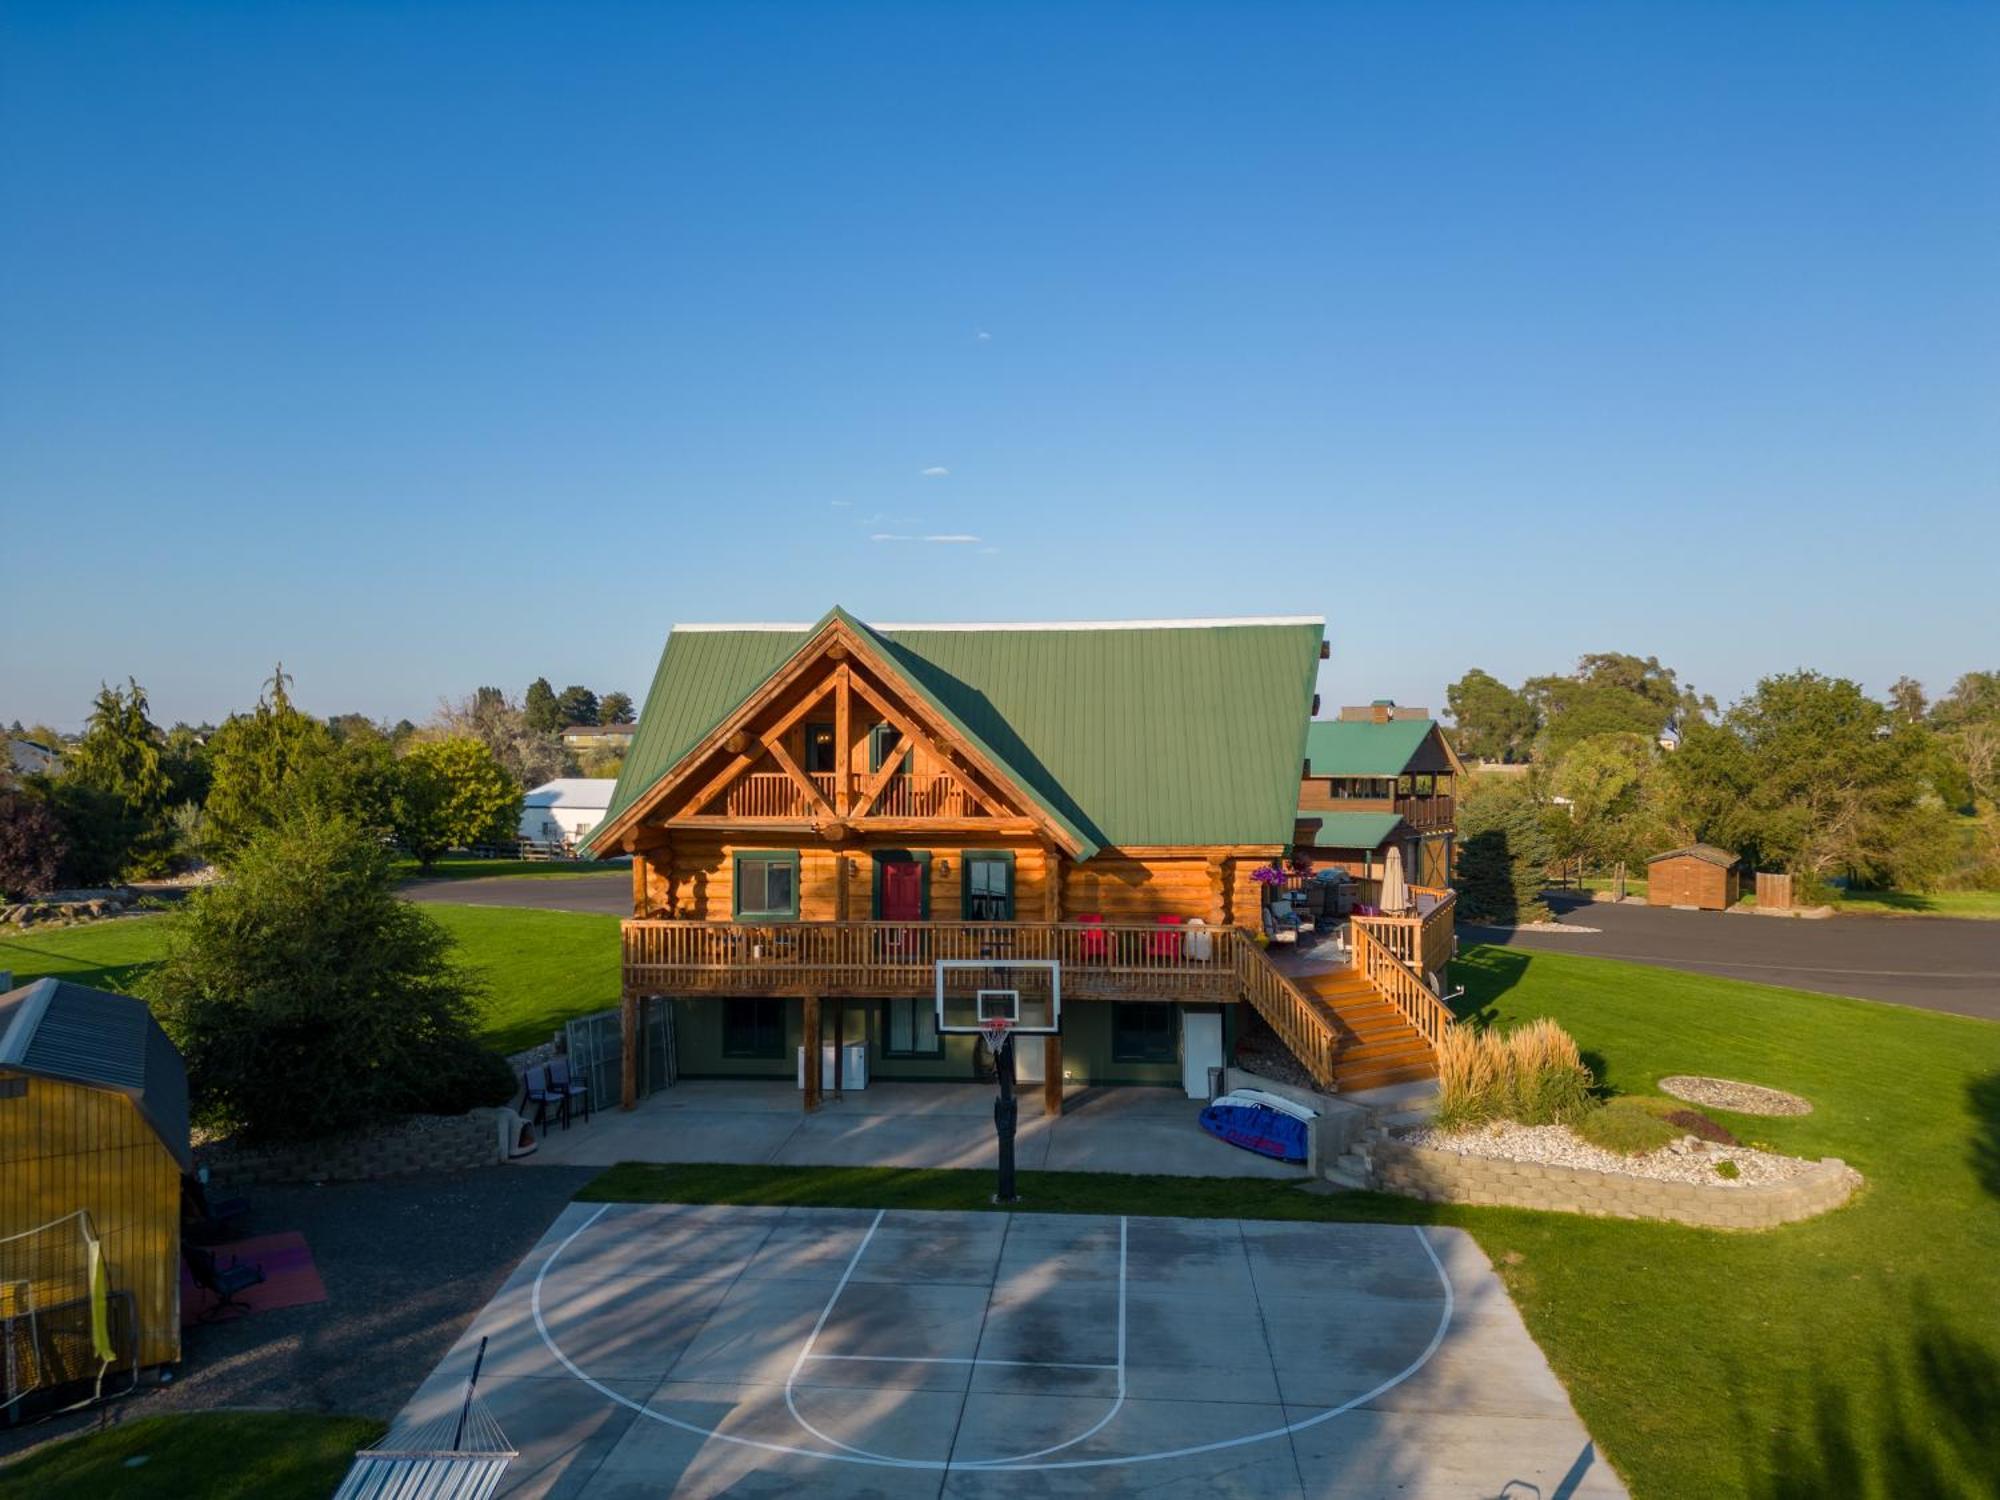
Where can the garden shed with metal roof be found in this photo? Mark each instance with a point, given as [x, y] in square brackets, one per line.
[93, 1120]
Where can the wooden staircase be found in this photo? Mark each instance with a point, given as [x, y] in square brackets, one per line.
[1374, 1045]
[1372, 1023]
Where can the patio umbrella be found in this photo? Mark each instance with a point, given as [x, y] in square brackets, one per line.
[1395, 892]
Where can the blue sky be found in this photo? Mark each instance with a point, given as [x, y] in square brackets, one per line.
[431, 345]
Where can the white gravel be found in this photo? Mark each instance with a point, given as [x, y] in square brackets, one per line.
[1687, 1160]
[1739, 1098]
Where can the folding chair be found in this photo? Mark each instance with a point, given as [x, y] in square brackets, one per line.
[535, 1090]
[569, 1088]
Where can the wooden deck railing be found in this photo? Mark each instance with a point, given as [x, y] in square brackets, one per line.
[895, 958]
[1300, 1025]
[1400, 985]
[1423, 942]
[1426, 812]
[773, 794]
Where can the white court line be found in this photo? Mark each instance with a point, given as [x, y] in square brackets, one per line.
[1001, 1465]
[1103, 1421]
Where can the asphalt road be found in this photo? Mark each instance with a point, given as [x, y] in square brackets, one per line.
[610, 894]
[1935, 963]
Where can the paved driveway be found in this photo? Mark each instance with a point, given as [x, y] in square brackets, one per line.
[1936, 963]
[906, 1125]
[665, 1349]
[610, 895]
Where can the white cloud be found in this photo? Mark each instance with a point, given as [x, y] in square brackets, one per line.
[935, 471]
[943, 538]
[840, 504]
[954, 539]
[890, 536]
[983, 336]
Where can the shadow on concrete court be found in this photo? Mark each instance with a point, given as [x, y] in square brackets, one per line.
[667, 1349]
[905, 1125]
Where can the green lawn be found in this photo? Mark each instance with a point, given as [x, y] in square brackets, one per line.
[1984, 905]
[468, 867]
[541, 967]
[1857, 1354]
[209, 1455]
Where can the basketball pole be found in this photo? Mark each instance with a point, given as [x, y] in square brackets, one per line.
[1006, 1112]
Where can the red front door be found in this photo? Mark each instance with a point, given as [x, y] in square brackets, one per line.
[902, 891]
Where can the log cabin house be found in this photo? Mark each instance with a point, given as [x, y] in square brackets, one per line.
[1377, 778]
[817, 813]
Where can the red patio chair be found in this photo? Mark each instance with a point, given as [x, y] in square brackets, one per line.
[1093, 945]
[1165, 944]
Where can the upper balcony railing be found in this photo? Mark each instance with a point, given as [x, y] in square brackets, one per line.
[774, 795]
[1099, 961]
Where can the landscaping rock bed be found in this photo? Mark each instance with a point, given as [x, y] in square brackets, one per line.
[1687, 1160]
[1738, 1098]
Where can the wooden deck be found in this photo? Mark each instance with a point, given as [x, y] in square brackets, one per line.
[1392, 958]
[871, 959]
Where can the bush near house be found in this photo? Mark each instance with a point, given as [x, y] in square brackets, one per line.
[307, 997]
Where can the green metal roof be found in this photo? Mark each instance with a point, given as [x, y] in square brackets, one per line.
[1343, 747]
[1146, 734]
[1350, 830]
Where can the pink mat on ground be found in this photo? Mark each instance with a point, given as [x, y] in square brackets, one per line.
[290, 1277]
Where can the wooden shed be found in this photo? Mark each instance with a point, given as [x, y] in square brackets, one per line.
[1700, 875]
[93, 1117]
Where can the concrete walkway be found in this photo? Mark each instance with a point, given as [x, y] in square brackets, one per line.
[906, 1125]
[673, 1350]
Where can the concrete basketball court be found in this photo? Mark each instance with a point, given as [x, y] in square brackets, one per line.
[656, 1350]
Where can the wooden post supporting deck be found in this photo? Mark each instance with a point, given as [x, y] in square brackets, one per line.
[1052, 1077]
[811, 1039]
[628, 1053]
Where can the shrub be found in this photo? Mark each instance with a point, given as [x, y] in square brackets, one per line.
[1532, 1074]
[1468, 1080]
[1547, 1082]
[1626, 1126]
[1729, 1169]
[308, 999]
[32, 845]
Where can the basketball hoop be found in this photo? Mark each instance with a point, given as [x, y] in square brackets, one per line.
[995, 1030]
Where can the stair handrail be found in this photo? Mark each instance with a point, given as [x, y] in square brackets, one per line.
[1401, 986]
[1278, 999]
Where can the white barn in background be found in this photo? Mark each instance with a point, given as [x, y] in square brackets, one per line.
[564, 810]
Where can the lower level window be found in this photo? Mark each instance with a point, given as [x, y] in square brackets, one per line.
[753, 1028]
[1145, 1033]
[911, 1030]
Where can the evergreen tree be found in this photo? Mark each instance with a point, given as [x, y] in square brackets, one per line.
[540, 708]
[577, 705]
[308, 998]
[254, 760]
[115, 787]
[615, 708]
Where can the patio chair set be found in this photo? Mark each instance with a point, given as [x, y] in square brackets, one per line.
[551, 1090]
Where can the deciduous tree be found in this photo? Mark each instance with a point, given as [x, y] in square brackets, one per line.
[453, 793]
[1490, 720]
[615, 708]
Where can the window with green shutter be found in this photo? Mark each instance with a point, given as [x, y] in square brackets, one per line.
[766, 887]
[987, 889]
